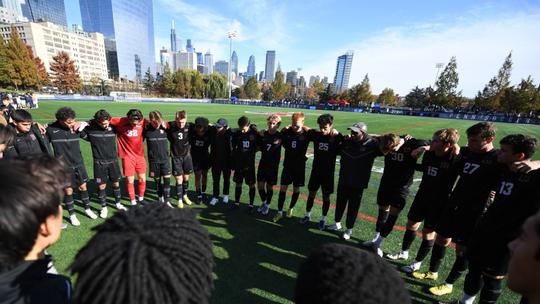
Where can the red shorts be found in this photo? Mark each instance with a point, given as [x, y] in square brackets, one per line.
[132, 165]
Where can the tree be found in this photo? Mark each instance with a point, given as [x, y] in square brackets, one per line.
[20, 67]
[197, 85]
[315, 89]
[215, 86]
[239, 93]
[43, 76]
[490, 96]
[446, 93]
[64, 73]
[251, 88]
[361, 93]
[4, 71]
[166, 86]
[387, 97]
[148, 81]
[181, 85]
[278, 86]
[525, 97]
[417, 98]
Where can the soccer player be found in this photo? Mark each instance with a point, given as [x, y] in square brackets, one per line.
[200, 139]
[102, 138]
[7, 137]
[244, 146]
[28, 139]
[182, 163]
[220, 157]
[270, 145]
[433, 192]
[65, 138]
[517, 198]
[129, 131]
[326, 143]
[358, 152]
[157, 143]
[295, 142]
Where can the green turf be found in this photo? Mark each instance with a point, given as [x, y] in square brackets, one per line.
[256, 259]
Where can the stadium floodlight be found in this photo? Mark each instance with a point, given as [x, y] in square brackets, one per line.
[230, 35]
[438, 66]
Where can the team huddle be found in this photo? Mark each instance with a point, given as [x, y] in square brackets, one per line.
[474, 196]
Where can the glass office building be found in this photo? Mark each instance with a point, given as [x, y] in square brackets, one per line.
[45, 10]
[343, 71]
[129, 26]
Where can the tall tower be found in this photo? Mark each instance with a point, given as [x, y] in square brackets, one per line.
[234, 63]
[208, 63]
[189, 46]
[173, 38]
[269, 70]
[343, 71]
[51, 10]
[251, 67]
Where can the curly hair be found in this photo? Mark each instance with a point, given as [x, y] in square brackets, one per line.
[64, 114]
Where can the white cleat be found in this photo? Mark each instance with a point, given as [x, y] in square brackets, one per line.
[133, 202]
[225, 199]
[104, 212]
[169, 205]
[411, 268]
[265, 209]
[161, 199]
[119, 206]
[380, 252]
[334, 227]
[347, 234]
[90, 214]
[213, 201]
[402, 255]
[74, 220]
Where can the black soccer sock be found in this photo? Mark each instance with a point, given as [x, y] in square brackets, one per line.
[423, 251]
[102, 196]
[459, 267]
[294, 199]
[408, 239]
[203, 188]
[85, 198]
[326, 206]
[159, 187]
[179, 191]
[237, 194]
[381, 219]
[269, 195]
[491, 291]
[437, 256]
[473, 280]
[166, 188]
[388, 225]
[262, 194]
[185, 187]
[117, 195]
[251, 195]
[281, 200]
[70, 204]
[310, 202]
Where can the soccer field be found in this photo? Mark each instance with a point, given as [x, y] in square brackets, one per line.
[256, 259]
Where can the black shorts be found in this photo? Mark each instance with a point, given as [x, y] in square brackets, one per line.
[325, 181]
[491, 255]
[268, 174]
[182, 165]
[159, 169]
[244, 174]
[295, 175]
[201, 163]
[426, 209]
[106, 171]
[458, 223]
[78, 176]
[392, 196]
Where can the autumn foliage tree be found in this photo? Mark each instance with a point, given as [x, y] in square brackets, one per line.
[19, 67]
[64, 73]
[43, 76]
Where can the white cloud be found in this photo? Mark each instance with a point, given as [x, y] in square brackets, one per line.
[403, 57]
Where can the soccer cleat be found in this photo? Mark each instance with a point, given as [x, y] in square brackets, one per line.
[161, 199]
[199, 199]
[74, 220]
[64, 226]
[235, 206]
[187, 200]
[225, 199]
[334, 227]
[261, 208]
[104, 212]
[380, 253]
[277, 217]
[250, 209]
[402, 255]
[169, 205]
[90, 214]
[426, 275]
[133, 203]
[368, 244]
[411, 268]
[304, 220]
[265, 209]
[322, 224]
[347, 234]
[119, 206]
[180, 204]
[441, 290]
[213, 201]
[290, 212]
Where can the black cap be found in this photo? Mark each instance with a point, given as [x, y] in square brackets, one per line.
[201, 122]
[222, 122]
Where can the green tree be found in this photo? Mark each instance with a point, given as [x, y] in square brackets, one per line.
[42, 75]
[279, 87]
[239, 93]
[490, 96]
[181, 88]
[251, 89]
[315, 89]
[522, 98]
[215, 86]
[417, 98]
[387, 97]
[4, 71]
[165, 84]
[446, 93]
[21, 69]
[197, 85]
[361, 93]
[65, 75]
[148, 81]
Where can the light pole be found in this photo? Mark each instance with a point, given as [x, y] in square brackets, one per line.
[438, 66]
[230, 35]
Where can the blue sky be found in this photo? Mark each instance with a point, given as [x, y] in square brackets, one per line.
[397, 43]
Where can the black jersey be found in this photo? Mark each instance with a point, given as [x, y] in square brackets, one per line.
[29, 143]
[270, 146]
[220, 147]
[102, 141]
[399, 166]
[65, 142]
[179, 139]
[244, 146]
[517, 197]
[326, 148]
[295, 145]
[477, 173]
[200, 144]
[157, 143]
[356, 162]
[438, 175]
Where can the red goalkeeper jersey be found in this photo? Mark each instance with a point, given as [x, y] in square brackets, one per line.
[130, 139]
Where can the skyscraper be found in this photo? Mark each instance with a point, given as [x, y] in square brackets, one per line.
[234, 63]
[221, 67]
[343, 71]
[13, 5]
[261, 75]
[173, 38]
[251, 67]
[189, 46]
[208, 63]
[50, 10]
[269, 70]
[131, 31]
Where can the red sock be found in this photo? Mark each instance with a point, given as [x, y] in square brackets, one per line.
[131, 190]
[142, 188]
